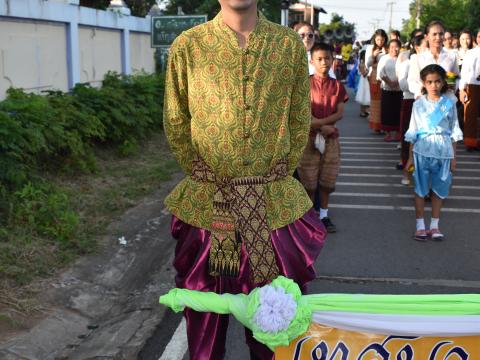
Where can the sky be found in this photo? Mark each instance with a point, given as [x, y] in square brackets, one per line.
[366, 14]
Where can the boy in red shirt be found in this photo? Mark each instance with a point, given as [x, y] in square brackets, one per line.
[328, 97]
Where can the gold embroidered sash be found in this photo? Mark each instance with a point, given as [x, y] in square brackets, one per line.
[240, 215]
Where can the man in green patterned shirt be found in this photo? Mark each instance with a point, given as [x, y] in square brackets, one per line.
[237, 117]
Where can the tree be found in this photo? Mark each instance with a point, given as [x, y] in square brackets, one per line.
[137, 7]
[338, 30]
[269, 8]
[455, 14]
[473, 11]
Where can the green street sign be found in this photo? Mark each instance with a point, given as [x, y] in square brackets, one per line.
[166, 28]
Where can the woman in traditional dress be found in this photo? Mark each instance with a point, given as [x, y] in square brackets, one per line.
[391, 100]
[374, 52]
[417, 44]
[435, 54]
[363, 93]
[470, 96]
[465, 40]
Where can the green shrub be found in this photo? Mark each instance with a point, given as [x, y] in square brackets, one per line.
[43, 210]
[56, 133]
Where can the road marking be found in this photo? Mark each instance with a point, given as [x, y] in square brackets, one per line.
[384, 146]
[402, 196]
[360, 138]
[385, 160]
[425, 282]
[403, 208]
[391, 168]
[399, 185]
[399, 176]
[368, 142]
[369, 148]
[177, 347]
[370, 154]
[390, 155]
[395, 150]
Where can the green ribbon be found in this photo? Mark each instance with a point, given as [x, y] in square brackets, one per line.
[243, 307]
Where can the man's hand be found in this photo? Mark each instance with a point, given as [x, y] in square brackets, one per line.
[327, 130]
[463, 96]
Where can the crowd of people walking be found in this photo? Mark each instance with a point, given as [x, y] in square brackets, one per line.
[393, 83]
[402, 103]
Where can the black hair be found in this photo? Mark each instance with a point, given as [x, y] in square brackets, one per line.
[396, 32]
[414, 32]
[321, 46]
[383, 34]
[361, 55]
[469, 34]
[399, 43]
[416, 41]
[434, 69]
[432, 24]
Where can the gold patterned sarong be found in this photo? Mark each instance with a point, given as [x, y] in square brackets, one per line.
[240, 215]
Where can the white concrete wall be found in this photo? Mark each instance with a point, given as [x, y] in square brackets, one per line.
[141, 54]
[26, 60]
[55, 44]
[100, 52]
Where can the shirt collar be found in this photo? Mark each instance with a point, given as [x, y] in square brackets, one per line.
[261, 28]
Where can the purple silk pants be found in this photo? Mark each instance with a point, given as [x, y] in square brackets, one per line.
[296, 247]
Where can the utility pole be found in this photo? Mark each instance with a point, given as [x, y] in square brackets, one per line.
[312, 13]
[419, 12]
[284, 5]
[390, 3]
[377, 23]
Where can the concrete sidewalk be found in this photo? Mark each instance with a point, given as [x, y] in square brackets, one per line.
[106, 305]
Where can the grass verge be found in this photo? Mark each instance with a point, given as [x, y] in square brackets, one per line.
[98, 199]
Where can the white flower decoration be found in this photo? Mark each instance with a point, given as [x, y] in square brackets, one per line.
[276, 311]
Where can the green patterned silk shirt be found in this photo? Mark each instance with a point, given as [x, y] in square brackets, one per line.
[241, 110]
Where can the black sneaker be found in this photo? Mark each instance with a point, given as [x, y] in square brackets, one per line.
[331, 228]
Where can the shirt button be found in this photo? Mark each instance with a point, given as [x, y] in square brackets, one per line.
[247, 107]
[247, 162]
[246, 135]
[247, 51]
[246, 78]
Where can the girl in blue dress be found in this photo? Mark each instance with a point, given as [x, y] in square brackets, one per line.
[432, 134]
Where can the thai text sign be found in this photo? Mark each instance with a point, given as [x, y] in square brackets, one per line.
[326, 343]
[166, 28]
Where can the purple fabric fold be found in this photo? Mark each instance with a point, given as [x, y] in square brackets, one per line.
[296, 248]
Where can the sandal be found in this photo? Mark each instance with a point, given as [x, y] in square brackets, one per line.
[420, 235]
[405, 181]
[436, 235]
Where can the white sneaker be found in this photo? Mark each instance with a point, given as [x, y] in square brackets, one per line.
[405, 181]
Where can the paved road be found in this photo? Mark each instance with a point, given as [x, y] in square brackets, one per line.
[373, 251]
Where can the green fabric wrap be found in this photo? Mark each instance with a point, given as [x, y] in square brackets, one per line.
[244, 307]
